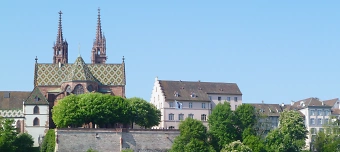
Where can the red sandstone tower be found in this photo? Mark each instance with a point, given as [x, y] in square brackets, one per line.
[60, 48]
[99, 45]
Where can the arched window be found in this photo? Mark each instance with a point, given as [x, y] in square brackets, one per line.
[90, 88]
[36, 110]
[36, 122]
[79, 89]
[18, 126]
[68, 90]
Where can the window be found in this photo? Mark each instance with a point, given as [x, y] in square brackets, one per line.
[235, 99]
[190, 104]
[312, 112]
[312, 121]
[191, 116]
[193, 95]
[79, 89]
[172, 127]
[36, 99]
[326, 121]
[319, 121]
[203, 117]
[181, 117]
[228, 99]
[326, 112]
[90, 88]
[171, 104]
[36, 110]
[313, 131]
[203, 105]
[313, 138]
[36, 122]
[210, 98]
[321, 130]
[18, 126]
[235, 107]
[219, 98]
[171, 116]
[319, 113]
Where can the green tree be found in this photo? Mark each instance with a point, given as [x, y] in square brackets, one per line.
[254, 142]
[328, 141]
[222, 126]
[246, 116]
[48, 143]
[7, 135]
[144, 113]
[67, 112]
[289, 136]
[236, 146]
[24, 142]
[193, 137]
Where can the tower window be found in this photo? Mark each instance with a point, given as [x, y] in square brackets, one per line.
[36, 110]
[98, 52]
[59, 52]
[36, 122]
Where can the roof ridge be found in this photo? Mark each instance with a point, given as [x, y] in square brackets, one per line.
[80, 71]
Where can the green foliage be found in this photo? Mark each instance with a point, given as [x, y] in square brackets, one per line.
[289, 136]
[193, 137]
[222, 122]
[10, 141]
[236, 146]
[144, 113]
[91, 150]
[329, 141]
[246, 116]
[256, 143]
[127, 150]
[48, 143]
[103, 109]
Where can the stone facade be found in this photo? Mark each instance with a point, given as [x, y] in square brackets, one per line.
[114, 140]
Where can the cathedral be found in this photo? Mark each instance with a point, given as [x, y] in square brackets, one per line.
[53, 81]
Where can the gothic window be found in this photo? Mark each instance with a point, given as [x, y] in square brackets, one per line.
[98, 52]
[90, 88]
[59, 52]
[36, 122]
[18, 126]
[36, 110]
[68, 90]
[79, 89]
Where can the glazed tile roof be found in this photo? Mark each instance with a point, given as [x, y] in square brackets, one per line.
[199, 89]
[12, 99]
[105, 74]
[36, 98]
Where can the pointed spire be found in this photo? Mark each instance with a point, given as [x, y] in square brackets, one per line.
[99, 29]
[60, 31]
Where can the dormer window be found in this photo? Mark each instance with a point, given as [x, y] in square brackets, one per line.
[193, 95]
[36, 99]
[176, 94]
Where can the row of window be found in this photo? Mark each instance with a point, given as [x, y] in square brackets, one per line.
[171, 105]
[228, 98]
[320, 112]
[181, 116]
[319, 121]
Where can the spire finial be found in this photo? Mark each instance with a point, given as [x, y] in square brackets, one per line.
[36, 59]
[79, 50]
[99, 28]
[123, 58]
[60, 32]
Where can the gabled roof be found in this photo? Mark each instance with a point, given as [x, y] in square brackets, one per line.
[308, 102]
[36, 98]
[268, 109]
[331, 102]
[105, 74]
[335, 111]
[80, 71]
[200, 90]
[10, 100]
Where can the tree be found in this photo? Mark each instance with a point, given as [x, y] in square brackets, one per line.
[290, 135]
[24, 142]
[223, 126]
[7, 135]
[68, 113]
[254, 142]
[236, 146]
[329, 141]
[246, 116]
[48, 143]
[144, 113]
[193, 137]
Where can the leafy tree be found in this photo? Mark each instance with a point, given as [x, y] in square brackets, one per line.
[144, 113]
[246, 116]
[222, 126]
[48, 143]
[254, 142]
[329, 141]
[289, 136]
[24, 142]
[67, 112]
[236, 146]
[7, 135]
[193, 137]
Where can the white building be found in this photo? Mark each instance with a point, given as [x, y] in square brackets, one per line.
[178, 100]
[30, 111]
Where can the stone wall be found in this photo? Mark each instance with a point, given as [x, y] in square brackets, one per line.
[114, 140]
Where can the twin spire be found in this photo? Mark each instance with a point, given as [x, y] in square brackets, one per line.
[60, 47]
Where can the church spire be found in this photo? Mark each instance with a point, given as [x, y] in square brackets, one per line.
[99, 44]
[60, 48]
[60, 30]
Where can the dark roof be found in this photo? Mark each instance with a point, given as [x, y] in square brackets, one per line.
[13, 100]
[331, 102]
[36, 98]
[268, 109]
[200, 89]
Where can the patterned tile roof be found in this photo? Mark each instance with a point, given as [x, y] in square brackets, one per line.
[36, 98]
[105, 74]
[12, 99]
[200, 89]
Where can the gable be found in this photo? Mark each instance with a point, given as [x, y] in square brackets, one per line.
[36, 98]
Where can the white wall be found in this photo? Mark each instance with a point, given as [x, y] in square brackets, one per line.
[43, 116]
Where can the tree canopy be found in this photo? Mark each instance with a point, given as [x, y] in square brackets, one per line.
[103, 110]
[236, 146]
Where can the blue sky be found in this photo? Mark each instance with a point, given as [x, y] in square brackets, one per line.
[275, 51]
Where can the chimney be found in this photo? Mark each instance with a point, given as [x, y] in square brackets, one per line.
[292, 102]
[282, 105]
